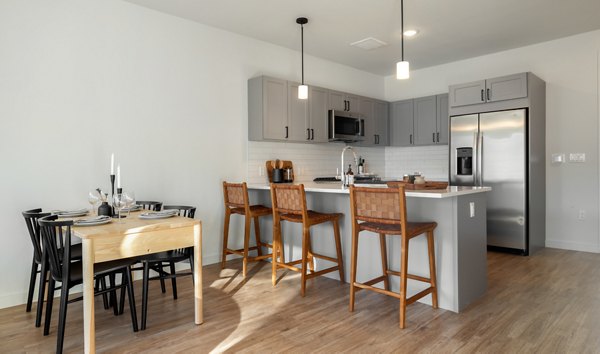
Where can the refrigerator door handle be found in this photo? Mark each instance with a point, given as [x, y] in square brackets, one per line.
[480, 156]
[475, 160]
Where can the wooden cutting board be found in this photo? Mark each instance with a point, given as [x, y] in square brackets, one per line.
[424, 186]
[272, 164]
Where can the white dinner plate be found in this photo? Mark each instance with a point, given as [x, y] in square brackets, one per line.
[158, 214]
[98, 220]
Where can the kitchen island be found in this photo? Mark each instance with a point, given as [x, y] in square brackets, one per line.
[460, 239]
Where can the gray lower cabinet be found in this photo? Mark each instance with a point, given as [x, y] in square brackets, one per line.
[401, 123]
[490, 90]
[420, 121]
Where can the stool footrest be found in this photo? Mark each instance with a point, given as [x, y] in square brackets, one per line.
[241, 250]
[419, 295]
[259, 258]
[327, 258]
[410, 276]
[377, 290]
[321, 272]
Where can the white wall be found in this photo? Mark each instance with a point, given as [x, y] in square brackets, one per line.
[570, 68]
[82, 79]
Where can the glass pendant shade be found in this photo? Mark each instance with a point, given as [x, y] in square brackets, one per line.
[402, 70]
[302, 92]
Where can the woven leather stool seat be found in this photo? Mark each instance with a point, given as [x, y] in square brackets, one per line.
[289, 204]
[383, 211]
[235, 196]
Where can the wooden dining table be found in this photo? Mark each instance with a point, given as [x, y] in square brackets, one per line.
[130, 237]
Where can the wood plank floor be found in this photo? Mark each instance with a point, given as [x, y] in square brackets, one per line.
[549, 302]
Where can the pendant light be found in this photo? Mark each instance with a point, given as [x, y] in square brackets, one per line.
[402, 67]
[302, 89]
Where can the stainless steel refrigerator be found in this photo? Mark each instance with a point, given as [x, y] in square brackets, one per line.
[491, 149]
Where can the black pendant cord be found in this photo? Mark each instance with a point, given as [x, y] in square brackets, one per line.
[302, 49]
[402, 26]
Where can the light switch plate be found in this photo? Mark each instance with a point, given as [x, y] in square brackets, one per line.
[577, 157]
[558, 158]
[472, 209]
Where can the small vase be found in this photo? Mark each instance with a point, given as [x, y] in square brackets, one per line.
[105, 209]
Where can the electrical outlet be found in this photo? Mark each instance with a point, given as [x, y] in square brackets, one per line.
[558, 158]
[472, 209]
[581, 215]
[577, 157]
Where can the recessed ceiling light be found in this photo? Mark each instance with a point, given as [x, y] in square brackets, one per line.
[411, 32]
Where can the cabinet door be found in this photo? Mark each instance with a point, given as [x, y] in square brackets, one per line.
[442, 119]
[506, 87]
[401, 123]
[337, 101]
[366, 109]
[275, 109]
[318, 105]
[466, 94]
[425, 120]
[353, 103]
[382, 119]
[297, 115]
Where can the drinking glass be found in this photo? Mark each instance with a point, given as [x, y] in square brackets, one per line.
[119, 204]
[94, 199]
[129, 199]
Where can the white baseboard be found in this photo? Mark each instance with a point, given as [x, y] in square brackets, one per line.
[573, 246]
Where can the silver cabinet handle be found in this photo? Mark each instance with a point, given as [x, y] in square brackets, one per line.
[438, 137]
[312, 131]
[488, 94]
[482, 98]
[307, 134]
[286, 132]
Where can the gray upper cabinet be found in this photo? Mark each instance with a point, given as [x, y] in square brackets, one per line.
[443, 118]
[318, 105]
[267, 109]
[506, 87]
[401, 123]
[382, 119]
[466, 94]
[341, 101]
[497, 89]
[425, 120]
[420, 121]
[297, 117]
[367, 110]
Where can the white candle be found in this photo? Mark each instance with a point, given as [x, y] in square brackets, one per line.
[112, 163]
[119, 176]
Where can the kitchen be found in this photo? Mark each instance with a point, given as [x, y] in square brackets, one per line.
[199, 86]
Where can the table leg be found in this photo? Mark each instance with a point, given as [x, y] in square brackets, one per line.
[198, 273]
[89, 331]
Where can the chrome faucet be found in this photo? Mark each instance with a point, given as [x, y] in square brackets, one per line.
[343, 175]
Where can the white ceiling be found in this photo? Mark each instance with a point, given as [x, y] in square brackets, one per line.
[450, 30]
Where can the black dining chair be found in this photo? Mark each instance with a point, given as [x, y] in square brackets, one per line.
[56, 241]
[150, 205]
[159, 261]
[38, 266]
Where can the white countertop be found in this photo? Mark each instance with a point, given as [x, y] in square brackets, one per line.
[451, 191]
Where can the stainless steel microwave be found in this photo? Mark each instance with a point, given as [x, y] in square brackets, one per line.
[346, 126]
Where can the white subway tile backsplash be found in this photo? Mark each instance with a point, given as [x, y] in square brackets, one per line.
[431, 161]
[310, 160]
[318, 160]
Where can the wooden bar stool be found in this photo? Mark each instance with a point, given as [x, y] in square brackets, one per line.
[289, 204]
[236, 202]
[383, 211]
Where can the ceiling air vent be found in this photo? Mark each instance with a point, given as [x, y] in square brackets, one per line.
[369, 43]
